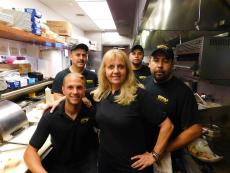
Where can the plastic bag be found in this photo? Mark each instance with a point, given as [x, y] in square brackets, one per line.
[164, 165]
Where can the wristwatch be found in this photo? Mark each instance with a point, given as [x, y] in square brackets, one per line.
[155, 155]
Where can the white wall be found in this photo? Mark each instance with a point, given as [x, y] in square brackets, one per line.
[47, 13]
[95, 36]
[107, 38]
[114, 38]
[30, 51]
[54, 57]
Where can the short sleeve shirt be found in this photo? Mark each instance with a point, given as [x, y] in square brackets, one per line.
[175, 98]
[91, 80]
[142, 73]
[72, 140]
[122, 127]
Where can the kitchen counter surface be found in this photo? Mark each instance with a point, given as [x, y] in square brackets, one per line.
[11, 155]
[208, 105]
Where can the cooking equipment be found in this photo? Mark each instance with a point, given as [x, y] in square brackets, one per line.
[12, 119]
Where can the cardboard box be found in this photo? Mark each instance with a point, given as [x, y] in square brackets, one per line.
[60, 27]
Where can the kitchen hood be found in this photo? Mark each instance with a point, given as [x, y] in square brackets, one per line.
[172, 38]
[203, 15]
[176, 21]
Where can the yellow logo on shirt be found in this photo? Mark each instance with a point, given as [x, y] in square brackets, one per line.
[89, 81]
[162, 99]
[84, 120]
[142, 77]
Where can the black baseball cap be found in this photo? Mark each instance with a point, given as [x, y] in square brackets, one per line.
[166, 50]
[79, 46]
[137, 47]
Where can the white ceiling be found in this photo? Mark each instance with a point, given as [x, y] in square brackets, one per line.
[69, 10]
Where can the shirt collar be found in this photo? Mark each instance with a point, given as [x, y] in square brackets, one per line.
[162, 83]
[61, 110]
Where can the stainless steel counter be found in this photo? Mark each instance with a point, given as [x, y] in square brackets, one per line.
[15, 152]
[9, 152]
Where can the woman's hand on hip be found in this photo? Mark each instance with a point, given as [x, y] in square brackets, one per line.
[143, 161]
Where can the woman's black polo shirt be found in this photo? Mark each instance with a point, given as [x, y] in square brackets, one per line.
[72, 140]
[122, 132]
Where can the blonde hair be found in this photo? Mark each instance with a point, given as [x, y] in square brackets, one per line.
[129, 87]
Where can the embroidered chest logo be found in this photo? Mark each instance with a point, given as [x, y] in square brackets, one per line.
[142, 77]
[89, 81]
[84, 120]
[162, 99]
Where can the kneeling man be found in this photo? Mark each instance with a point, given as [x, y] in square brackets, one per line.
[73, 138]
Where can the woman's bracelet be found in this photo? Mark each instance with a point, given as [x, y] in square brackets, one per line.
[155, 155]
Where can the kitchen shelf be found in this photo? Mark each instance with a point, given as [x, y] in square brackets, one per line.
[19, 35]
[9, 95]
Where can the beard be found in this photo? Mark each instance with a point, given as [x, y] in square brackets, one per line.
[160, 78]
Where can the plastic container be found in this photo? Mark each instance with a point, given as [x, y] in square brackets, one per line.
[48, 96]
[31, 81]
[13, 84]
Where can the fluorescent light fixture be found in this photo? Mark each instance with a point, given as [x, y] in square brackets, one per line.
[98, 11]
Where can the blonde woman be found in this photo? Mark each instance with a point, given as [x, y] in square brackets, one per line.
[123, 107]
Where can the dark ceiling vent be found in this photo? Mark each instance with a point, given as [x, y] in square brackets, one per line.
[190, 47]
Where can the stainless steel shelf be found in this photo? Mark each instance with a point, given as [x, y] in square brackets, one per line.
[15, 93]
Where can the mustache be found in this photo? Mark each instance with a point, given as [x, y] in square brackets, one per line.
[81, 61]
[159, 71]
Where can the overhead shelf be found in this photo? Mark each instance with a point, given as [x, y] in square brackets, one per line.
[25, 90]
[19, 35]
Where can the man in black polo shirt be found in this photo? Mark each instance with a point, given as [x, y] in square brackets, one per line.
[175, 98]
[71, 129]
[136, 56]
[79, 57]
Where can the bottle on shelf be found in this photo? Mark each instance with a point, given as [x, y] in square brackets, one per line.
[48, 96]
